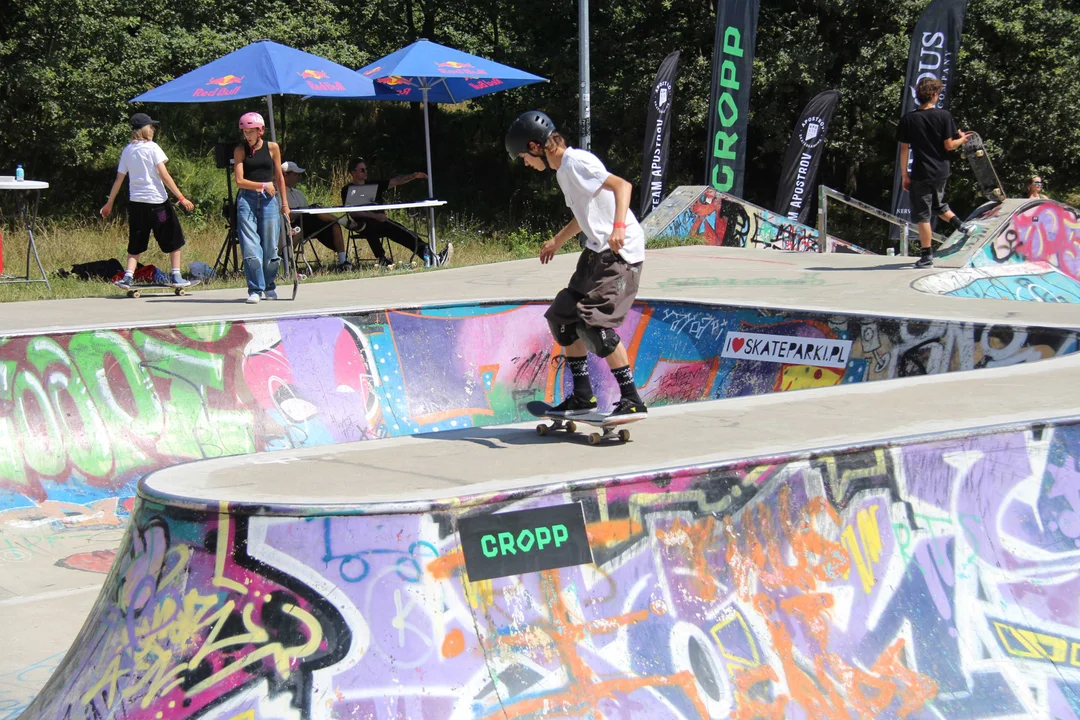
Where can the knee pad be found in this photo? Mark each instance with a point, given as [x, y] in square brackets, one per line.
[600, 341]
[563, 334]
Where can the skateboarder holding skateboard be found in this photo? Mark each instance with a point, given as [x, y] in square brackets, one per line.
[142, 162]
[931, 132]
[584, 315]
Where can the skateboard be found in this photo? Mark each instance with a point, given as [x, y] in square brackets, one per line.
[135, 290]
[610, 429]
[985, 175]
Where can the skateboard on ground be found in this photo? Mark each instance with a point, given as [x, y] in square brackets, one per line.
[985, 176]
[609, 426]
[135, 290]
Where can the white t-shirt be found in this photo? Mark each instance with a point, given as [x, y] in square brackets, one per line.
[581, 176]
[139, 162]
[295, 198]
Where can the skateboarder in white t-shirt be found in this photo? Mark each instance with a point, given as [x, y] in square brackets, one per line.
[584, 315]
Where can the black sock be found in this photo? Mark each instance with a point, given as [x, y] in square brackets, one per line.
[579, 368]
[956, 222]
[926, 252]
[625, 377]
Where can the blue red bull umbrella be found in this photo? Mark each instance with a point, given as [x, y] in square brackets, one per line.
[428, 72]
[262, 68]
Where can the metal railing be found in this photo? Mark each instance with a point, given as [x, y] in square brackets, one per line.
[825, 193]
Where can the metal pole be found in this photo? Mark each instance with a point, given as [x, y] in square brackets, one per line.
[430, 181]
[270, 112]
[584, 109]
[823, 219]
[904, 241]
[285, 235]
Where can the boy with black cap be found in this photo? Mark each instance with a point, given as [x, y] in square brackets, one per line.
[584, 315]
[149, 210]
[931, 132]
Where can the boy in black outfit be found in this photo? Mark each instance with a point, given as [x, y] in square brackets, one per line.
[931, 132]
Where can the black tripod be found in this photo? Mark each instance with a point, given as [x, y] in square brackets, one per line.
[231, 246]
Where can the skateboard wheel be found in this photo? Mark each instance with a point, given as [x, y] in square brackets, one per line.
[181, 291]
[571, 426]
[594, 439]
[541, 430]
[135, 294]
[979, 153]
[624, 435]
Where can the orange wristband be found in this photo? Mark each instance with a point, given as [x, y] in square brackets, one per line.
[620, 225]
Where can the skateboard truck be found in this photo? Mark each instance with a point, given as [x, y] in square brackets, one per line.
[556, 424]
[610, 433]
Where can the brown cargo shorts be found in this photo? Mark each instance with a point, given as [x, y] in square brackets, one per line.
[600, 292]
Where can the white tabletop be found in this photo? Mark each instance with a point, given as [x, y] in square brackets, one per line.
[364, 208]
[10, 183]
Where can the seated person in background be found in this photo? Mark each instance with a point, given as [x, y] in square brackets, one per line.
[326, 227]
[373, 226]
[1035, 188]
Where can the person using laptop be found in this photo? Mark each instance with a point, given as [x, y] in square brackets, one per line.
[374, 226]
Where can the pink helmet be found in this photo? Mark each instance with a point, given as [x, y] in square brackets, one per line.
[251, 120]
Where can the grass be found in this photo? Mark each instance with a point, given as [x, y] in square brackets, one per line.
[62, 245]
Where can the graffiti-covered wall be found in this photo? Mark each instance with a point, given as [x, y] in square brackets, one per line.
[702, 213]
[1044, 232]
[937, 579]
[84, 415]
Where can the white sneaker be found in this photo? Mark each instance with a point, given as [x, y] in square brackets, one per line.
[270, 295]
[253, 299]
[178, 282]
[445, 254]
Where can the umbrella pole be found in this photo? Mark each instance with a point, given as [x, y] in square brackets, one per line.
[430, 183]
[284, 234]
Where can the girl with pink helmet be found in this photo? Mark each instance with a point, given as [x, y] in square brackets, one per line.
[260, 202]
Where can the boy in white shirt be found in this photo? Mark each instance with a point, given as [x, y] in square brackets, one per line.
[584, 315]
[149, 210]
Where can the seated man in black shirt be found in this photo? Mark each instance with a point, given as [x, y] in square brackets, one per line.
[373, 226]
[932, 134]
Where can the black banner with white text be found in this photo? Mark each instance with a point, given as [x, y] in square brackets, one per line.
[654, 158]
[729, 99]
[935, 49]
[794, 195]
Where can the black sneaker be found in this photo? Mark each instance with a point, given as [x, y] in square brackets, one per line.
[384, 263]
[574, 405]
[627, 407]
[343, 267]
[924, 262]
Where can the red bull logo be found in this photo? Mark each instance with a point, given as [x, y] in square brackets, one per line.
[320, 81]
[372, 71]
[221, 84]
[399, 85]
[451, 67]
[484, 84]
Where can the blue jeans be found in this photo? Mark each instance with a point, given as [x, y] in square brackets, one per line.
[258, 221]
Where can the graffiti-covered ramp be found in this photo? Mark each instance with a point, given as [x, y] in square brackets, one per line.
[778, 567]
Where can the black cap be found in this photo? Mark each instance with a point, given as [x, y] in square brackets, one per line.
[141, 120]
[533, 126]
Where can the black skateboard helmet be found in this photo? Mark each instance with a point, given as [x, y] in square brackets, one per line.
[532, 126]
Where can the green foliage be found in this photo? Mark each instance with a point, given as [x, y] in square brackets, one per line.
[69, 67]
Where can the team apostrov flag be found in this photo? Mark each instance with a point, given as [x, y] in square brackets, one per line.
[654, 158]
[729, 100]
[796, 190]
[935, 48]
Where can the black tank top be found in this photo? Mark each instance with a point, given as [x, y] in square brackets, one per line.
[260, 166]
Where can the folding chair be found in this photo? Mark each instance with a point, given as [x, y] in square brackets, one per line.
[357, 196]
[302, 242]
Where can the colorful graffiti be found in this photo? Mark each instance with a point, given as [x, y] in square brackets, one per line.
[1023, 282]
[935, 579]
[84, 415]
[1046, 232]
[727, 221]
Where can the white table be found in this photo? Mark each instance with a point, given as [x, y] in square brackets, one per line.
[345, 210]
[21, 190]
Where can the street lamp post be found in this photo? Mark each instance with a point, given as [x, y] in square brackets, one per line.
[584, 110]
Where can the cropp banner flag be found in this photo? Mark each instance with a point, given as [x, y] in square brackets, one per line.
[729, 100]
[935, 49]
[797, 180]
[654, 157]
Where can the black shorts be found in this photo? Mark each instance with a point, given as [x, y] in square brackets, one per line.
[927, 199]
[159, 218]
[324, 231]
[600, 292]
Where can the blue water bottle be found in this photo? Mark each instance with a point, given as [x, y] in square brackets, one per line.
[19, 174]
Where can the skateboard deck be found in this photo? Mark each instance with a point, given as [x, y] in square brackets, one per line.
[135, 290]
[985, 175]
[610, 427]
